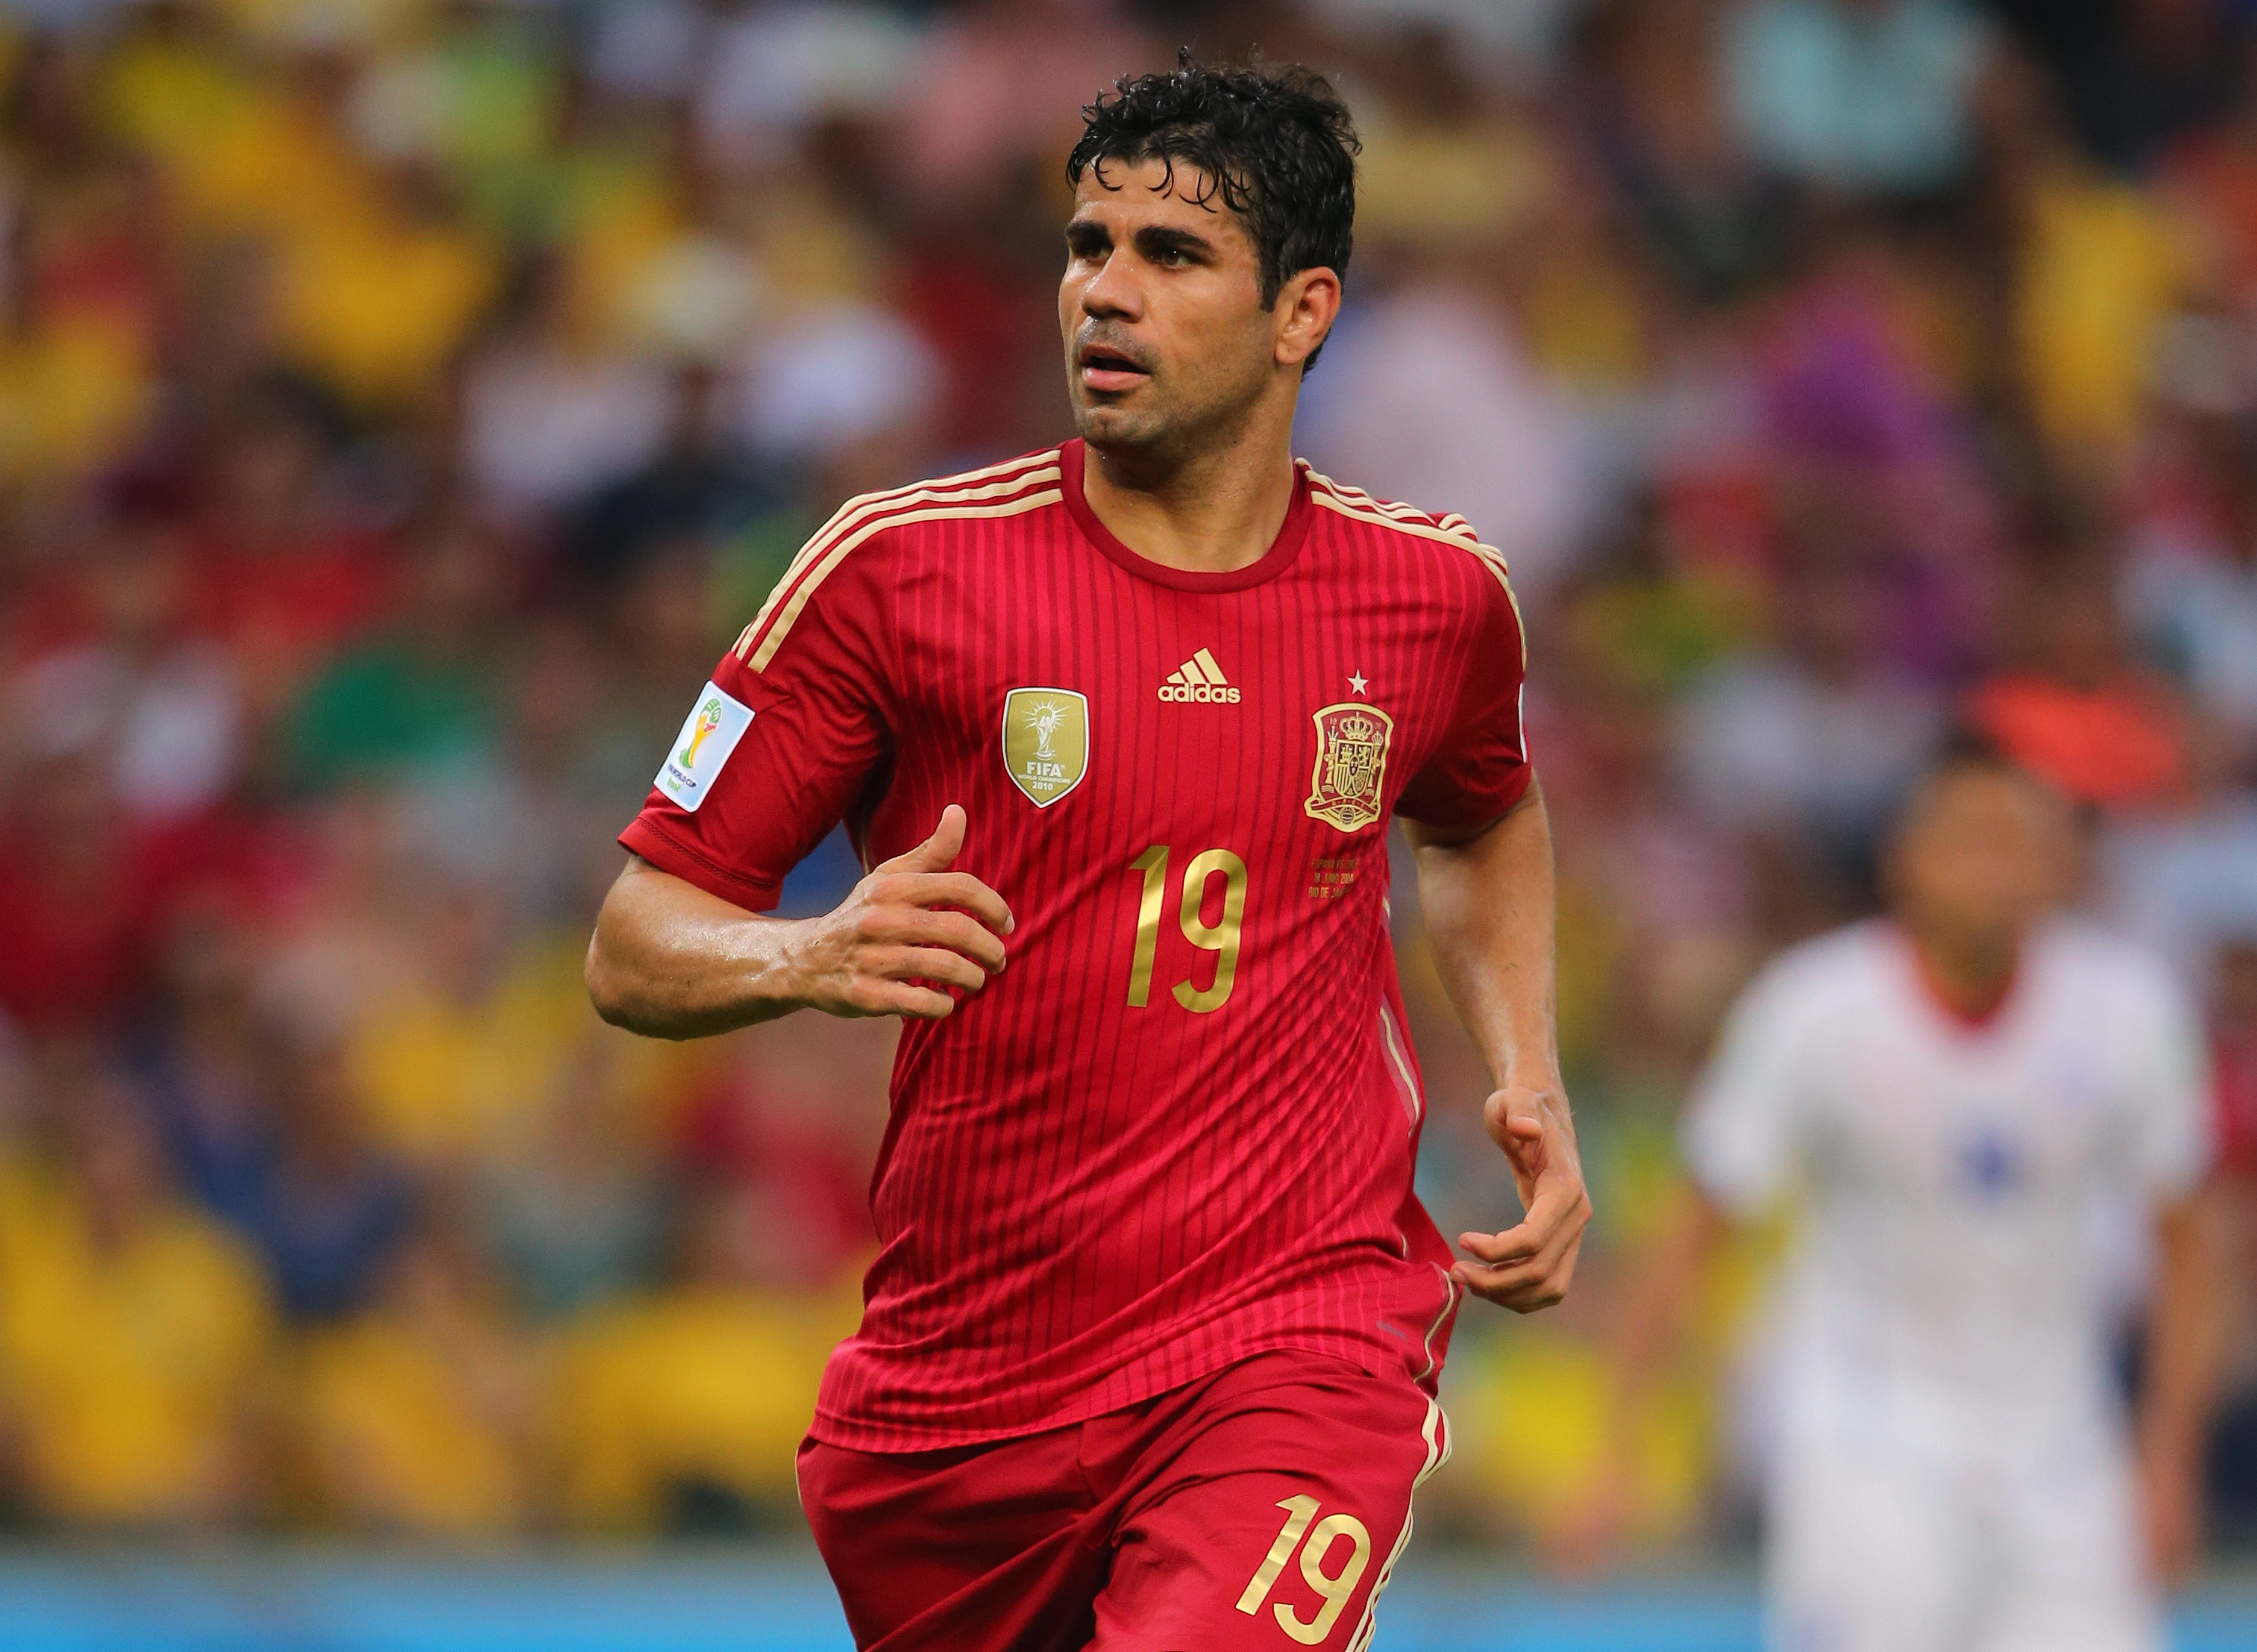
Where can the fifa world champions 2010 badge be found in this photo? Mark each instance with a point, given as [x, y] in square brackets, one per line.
[1045, 742]
[1344, 790]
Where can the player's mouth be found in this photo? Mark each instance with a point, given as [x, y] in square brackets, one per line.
[1109, 370]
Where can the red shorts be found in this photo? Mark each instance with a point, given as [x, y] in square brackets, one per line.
[1258, 1510]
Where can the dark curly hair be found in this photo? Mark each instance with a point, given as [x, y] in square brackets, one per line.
[1277, 145]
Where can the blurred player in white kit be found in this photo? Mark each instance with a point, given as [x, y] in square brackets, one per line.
[1953, 1094]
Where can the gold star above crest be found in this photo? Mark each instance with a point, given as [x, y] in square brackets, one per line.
[1356, 683]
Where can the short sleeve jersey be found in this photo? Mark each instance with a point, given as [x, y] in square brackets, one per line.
[1949, 1175]
[1179, 1128]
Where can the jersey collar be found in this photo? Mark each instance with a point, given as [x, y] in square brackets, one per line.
[1290, 534]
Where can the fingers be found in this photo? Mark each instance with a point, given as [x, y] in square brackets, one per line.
[929, 963]
[948, 888]
[1558, 1203]
[938, 852]
[907, 999]
[1524, 1290]
[911, 926]
[1530, 1266]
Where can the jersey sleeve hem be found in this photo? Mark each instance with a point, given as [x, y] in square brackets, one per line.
[1477, 813]
[644, 837]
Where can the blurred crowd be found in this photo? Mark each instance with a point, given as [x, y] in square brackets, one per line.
[403, 401]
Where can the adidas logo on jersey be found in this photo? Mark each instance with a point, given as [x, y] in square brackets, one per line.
[1199, 681]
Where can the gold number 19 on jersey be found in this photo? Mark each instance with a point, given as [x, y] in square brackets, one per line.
[1220, 939]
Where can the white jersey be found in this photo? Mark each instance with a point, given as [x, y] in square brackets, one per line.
[1947, 1286]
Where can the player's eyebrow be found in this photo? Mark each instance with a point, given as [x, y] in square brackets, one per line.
[1087, 235]
[1154, 239]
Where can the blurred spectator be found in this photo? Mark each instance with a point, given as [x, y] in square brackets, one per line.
[1862, 95]
[2100, 266]
[2233, 1048]
[1717, 222]
[2139, 73]
[683, 1410]
[331, 1214]
[163, 699]
[1819, 738]
[699, 486]
[2190, 587]
[551, 414]
[1426, 396]
[2182, 874]
[773, 70]
[456, 1067]
[994, 92]
[577, 1215]
[849, 375]
[416, 700]
[84, 890]
[775, 1147]
[2078, 710]
[410, 1417]
[131, 1326]
[208, 1065]
[279, 570]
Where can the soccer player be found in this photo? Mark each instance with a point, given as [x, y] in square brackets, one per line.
[1149, 1352]
[1957, 1091]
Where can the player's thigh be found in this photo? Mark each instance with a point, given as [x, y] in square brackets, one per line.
[963, 1551]
[2075, 1578]
[1861, 1555]
[1274, 1524]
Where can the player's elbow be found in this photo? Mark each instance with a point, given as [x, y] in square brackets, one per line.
[607, 986]
[615, 986]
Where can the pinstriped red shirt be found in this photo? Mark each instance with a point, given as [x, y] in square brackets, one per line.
[1179, 1128]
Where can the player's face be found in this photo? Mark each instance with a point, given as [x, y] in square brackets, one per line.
[1983, 857]
[1166, 335]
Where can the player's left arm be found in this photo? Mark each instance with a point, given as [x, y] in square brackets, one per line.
[1487, 892]
[2165, 1146]
[2185, 1344]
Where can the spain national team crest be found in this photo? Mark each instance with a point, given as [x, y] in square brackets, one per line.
[1351, 763]
[1045, 742]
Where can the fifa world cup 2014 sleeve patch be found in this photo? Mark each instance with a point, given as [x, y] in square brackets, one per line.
[716, 723]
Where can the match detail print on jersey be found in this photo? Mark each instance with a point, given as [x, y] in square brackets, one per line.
[1045, 742]
[709, 734]
[1344, 789]
[1199, 681]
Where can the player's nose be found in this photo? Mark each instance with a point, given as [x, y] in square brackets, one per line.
[1113, 292]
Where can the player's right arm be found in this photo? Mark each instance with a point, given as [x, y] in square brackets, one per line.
[794, 732]
[669, 959]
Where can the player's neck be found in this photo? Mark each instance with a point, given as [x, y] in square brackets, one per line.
[1970, 979]
[1213, 512]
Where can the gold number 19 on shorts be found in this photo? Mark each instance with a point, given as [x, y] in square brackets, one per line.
[1335, 1587]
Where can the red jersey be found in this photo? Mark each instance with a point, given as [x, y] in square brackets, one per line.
[1179, 1129]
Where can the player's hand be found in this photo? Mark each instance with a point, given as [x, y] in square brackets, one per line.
[910, 928]
[1530, 1266]
[2170, 1497]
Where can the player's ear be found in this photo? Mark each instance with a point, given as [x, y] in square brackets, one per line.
[1307, 305]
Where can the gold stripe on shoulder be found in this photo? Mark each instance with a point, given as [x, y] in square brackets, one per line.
[788, 616]
[855, 509]
[1023, 469]
[1332, 498]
